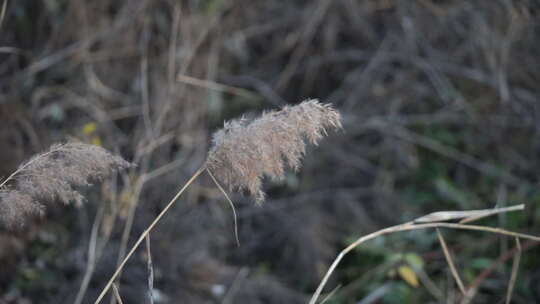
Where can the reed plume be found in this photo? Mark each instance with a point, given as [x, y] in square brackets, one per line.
[245, 151]
[52, 177]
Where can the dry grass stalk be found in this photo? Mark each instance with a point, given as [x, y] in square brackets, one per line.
[3, 12]
[52, 177]
[150, 270]
[145, 233]
[235, 217]
[406, 227]
[117, 294]
[451, 263]
[243, 152]
[515, 268]
[212, 85]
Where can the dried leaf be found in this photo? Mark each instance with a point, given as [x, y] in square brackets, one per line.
[408, 275]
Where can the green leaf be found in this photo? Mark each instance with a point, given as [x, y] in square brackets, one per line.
[414, 260]
[481, 263]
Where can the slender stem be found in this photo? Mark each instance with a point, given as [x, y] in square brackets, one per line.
[146, 232]
[150, 270]
[515, 268]
[230, 203]
[3, 12]
[92, 256]
[143, 179]
[406, 227]
[117, 294]
[451, 263]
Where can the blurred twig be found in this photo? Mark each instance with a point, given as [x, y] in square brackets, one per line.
[450, 262]
[377, 294]
[484, 167]
[117, 294]
[211, 85]
[307, 33]
[150, 270]
[474, 286]
[240, 277]
[92, 255]
[3, 12]
[515, 268]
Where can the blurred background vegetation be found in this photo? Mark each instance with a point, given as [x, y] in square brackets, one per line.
[440, 101]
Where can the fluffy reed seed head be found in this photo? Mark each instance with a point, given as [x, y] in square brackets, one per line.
[51, 177]
[243, 152]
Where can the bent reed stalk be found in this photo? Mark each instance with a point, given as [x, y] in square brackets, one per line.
[407, 227]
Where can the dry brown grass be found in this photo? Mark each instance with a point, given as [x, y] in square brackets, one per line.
[52, 177]
[244, 152]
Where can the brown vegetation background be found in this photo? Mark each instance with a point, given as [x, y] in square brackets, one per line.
[441, 111]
